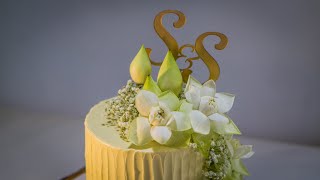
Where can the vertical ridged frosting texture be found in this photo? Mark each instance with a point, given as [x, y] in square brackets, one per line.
[107, 160]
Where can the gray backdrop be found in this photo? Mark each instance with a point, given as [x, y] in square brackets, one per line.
[65, 56]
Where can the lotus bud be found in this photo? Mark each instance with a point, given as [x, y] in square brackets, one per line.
[151, 85]
[169, 76]
[140, 66]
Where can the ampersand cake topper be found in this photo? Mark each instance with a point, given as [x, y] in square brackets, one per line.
[197, 47]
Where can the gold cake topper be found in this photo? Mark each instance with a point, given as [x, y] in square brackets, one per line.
[198, 47]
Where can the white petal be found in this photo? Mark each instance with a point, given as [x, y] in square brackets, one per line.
[179, 121]
[210, 84]
[207, 105]
[144, 101]
[161, 134]
[205, 91]
[139, 131]
[208, 89]
[185, 107]
[193, 97]
[220, 123]
[219, 118]
[224, 101]
[170, 99]
[192, 82]
[199, 122]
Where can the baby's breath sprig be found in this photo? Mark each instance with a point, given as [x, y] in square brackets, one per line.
[218, 162]
[121, 109]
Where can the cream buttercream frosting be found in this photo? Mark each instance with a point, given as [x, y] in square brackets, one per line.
[107, 156]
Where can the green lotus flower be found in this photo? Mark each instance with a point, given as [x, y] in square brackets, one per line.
[169, 76]
[140, 66]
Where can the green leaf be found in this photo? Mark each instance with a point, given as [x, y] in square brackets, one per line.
[169, 76]
[179, 138]
[204, 142]
[233, 176]
[239, 167]
[151, 85]
[231, 128]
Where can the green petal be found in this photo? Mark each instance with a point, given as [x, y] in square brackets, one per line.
[224, 101]
[179, 121]
[199, 122]
[161, 134]
[139, 131]
[144, 101]
[231, 128]
[192, 82]
[179, 138]
[244, 151]
[223, 124]
[170, 100]
[239, 167]
[169, 76]
[140, 66]
[151, 85]
[185, 107]
[233, 176]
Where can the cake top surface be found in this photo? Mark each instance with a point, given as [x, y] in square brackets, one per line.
[95, 122]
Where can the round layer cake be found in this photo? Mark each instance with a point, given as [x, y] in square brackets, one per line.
[107, 156]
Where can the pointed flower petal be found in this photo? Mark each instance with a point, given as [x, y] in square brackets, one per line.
[208, 89]
[244, 151]
[144, 101]
[161, 134]
[239, 167]
[224, 101]
[192, 82]
[179, 121]
[151, 85]
[193, 96]
[207, 105]
[220, 123]
[139, 131]
[199, 122]
[185, 107]
[170, 100]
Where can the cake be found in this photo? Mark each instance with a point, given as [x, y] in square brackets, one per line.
[172, 128]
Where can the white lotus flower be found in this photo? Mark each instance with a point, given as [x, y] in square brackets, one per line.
[207, 105]
[158, 117]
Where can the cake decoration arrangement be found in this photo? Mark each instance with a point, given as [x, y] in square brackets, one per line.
[168, 127]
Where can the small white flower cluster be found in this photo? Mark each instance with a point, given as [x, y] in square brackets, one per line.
[193, 146]
[121, 110]
[218, 162]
